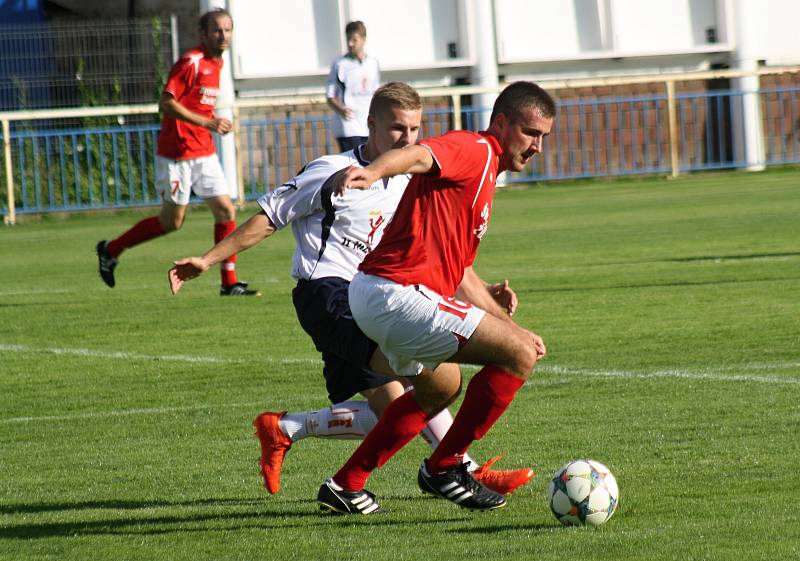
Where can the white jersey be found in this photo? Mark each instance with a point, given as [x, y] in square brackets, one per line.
[332, 234]
[353, 82]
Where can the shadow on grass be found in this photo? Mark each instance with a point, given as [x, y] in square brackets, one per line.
[487, 530]
[701, 258]
[735, 257]
[120, 505]
[137, 518]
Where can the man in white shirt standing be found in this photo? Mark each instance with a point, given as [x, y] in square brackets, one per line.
[353, 79]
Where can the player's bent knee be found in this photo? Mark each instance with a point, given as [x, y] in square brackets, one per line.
[523, 360]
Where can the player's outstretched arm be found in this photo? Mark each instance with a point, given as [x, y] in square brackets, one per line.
[185, 269]
[409, 159]
[257, 228]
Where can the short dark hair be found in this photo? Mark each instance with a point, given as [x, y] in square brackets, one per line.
[518, 97]
[206, 18]
[394, 94]
[356, 27]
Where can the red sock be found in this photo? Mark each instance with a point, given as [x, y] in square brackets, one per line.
[142, 231]
[488, 395]
[401, 422]
[227, 268]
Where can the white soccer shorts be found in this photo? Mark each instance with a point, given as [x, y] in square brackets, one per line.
[176, 179]
[414, 326]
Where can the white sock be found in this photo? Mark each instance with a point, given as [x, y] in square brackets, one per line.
[347, 420]
[352, 420]
[435, 430]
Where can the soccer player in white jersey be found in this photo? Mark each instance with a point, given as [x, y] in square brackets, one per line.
[352, 80]
[333, 235]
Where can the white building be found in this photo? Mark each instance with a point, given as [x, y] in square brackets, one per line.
[286, 47]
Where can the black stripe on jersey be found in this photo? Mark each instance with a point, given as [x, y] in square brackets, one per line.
[360, 156]
[285, 188]
[326, 194]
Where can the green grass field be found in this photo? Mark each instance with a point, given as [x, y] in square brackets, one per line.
[671, 310]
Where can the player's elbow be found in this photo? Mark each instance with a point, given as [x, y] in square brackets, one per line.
[165, 104]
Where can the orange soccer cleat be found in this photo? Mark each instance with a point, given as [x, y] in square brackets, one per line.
[501, 481]
[274, 445]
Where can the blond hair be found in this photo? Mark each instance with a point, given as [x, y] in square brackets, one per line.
[394, 95]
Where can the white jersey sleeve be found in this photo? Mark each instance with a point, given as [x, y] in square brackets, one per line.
[334, 87]
[301, 195]
[333, 234]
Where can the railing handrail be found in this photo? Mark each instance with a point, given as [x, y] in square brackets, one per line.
[746, 120]
[448, 91]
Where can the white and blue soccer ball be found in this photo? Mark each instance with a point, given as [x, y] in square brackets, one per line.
[583, 493]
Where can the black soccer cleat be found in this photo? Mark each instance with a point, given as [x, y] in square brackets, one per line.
[458, 486]
[106, 263]
[334, 499]
[238, 289]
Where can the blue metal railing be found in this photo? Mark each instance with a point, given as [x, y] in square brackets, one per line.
[77, 169]
[113, 166]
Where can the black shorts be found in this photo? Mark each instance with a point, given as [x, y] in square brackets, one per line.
[324, 312]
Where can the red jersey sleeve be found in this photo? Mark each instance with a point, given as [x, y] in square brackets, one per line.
[181, 77]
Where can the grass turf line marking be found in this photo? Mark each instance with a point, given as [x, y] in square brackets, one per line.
[708, 374]
[128, 412]
[138, 356]
[37, 291]
[704, 374]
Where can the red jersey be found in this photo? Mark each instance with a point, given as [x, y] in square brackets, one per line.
[442, 217]
[194, 83]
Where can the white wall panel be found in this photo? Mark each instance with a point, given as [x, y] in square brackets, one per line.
[288, 45]
[661, 27]
[411, 33]
[279, 37]
[546, 30]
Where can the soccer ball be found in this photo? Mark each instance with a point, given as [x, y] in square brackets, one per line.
[583, 492]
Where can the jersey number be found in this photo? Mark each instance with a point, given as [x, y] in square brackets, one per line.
[175, 186]
[453, 306]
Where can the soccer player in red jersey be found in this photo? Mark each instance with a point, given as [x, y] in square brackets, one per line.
[333, 234]
[404, 298]
[186, 157]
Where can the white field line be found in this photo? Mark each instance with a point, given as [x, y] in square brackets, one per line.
[100, 288]
[128, 412]
[138, 356]
[553, 373]
[706, 374]
[38, 291]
